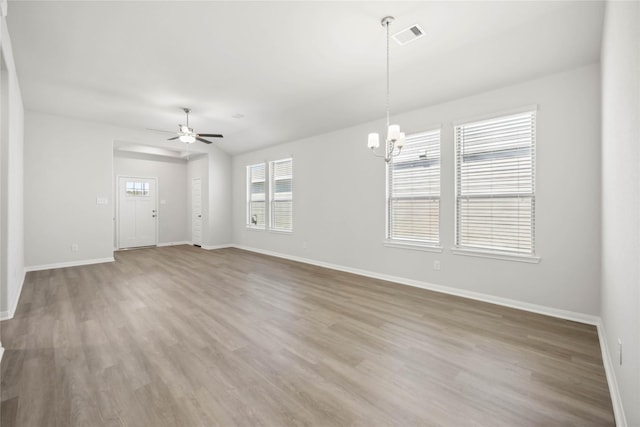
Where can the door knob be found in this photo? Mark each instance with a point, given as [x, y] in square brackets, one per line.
[199, 216]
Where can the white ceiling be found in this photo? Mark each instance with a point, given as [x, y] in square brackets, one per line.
[293, 69]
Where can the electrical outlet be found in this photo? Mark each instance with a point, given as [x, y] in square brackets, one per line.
[304, 245]
[436, 265]
[74, 247]
[620, 350]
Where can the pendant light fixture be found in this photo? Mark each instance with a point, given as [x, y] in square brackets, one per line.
[395, 139]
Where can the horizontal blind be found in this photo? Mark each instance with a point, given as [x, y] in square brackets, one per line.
[495, 203]
[413, 201]
[256, 195]
[282, 195]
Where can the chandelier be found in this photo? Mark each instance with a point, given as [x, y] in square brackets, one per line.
[395, 139]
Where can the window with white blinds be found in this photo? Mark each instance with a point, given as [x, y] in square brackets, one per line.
[281, 195]
[413, 195]
[256, 192]
[495, 184]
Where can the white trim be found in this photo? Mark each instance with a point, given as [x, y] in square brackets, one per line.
[7, 315]
[413, 246]
[614, 392]
[69, 264]
[209, 247]
[173, 244]
[506, 302]
[1, 353]
[280, 231]
[531, 259]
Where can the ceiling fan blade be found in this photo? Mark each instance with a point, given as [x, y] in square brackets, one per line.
[211, 135]
[171, 139]
[204, 140]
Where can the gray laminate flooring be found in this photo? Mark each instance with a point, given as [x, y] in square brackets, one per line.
[181, 336]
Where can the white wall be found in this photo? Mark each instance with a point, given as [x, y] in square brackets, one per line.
[171, 175]
[11, 171]
[339, 199]
[68, 164]
[620, 309]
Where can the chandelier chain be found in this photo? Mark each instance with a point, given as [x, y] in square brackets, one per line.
[388, 122]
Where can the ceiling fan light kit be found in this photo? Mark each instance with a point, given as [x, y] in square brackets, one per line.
[188, 136]
[187, 139]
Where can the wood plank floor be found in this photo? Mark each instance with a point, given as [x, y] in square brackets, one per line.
[181, 336]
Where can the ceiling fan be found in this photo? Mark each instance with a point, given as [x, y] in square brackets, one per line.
[188, 136]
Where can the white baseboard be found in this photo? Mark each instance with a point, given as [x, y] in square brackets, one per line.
[172, 244]
[6, 315]
[614, 391]
[548, 311]
[69, 264]
[540, 309]
[207, 247]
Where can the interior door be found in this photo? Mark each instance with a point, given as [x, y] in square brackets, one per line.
[137, 212]
[196, 211]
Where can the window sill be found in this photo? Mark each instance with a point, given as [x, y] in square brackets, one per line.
[412, 246]
[531, 259]
[276, 231]
[270, 230]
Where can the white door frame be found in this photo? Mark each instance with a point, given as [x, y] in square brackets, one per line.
[201, 243]
[117, 205]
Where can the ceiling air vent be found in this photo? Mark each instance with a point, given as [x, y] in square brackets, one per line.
[408, 35]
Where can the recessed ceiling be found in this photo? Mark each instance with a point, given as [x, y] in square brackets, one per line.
[287, 69]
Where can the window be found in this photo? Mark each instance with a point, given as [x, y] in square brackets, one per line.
[413, 201]
[281, 195]
[256, 190]
[495, 191]
[279, 212]
[137, 188]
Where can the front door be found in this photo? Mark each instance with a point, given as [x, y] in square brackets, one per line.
[137, 212]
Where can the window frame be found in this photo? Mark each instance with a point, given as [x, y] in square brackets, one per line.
[249, 200]
[488, 252]
[408, 243]
[272, 192]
